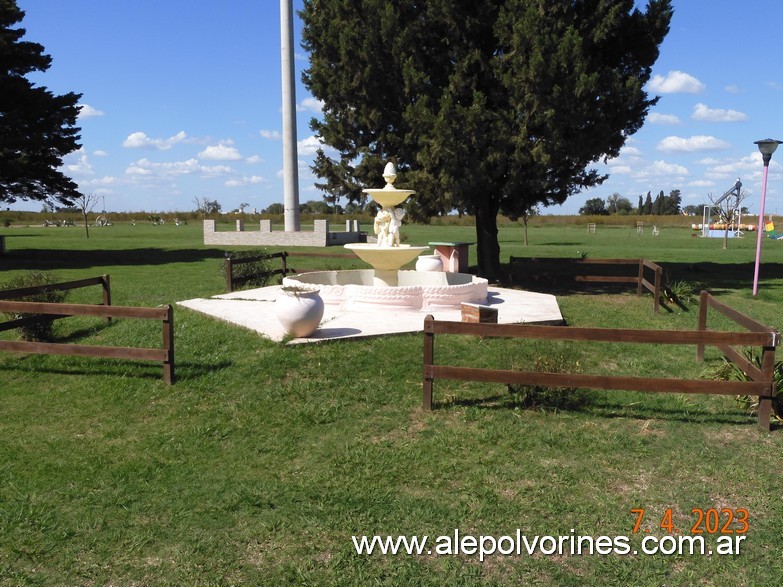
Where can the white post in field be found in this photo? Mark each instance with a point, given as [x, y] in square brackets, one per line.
[290, 165]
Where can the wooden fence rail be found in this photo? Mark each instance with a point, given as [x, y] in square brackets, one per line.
[285, 269]
[580, 271]
[165, 314]
[103, 281]
[761, 384]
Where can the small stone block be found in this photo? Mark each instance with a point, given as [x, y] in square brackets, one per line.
[479, 313]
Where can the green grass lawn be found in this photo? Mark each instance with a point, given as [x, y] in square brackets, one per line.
[263, 460]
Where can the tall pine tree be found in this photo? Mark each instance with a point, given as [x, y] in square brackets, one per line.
[37, 128]
[648, 205]
[487, 107]
[657, 206]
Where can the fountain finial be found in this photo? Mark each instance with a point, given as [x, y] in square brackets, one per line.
[389, 174]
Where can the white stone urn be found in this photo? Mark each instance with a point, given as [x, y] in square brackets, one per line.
[299, 310]
[429, 263]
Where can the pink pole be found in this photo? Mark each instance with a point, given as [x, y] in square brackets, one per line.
[760, 229]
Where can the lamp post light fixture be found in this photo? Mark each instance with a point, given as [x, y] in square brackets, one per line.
[767, 147]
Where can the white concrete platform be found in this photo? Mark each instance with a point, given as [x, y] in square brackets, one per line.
[254, 309]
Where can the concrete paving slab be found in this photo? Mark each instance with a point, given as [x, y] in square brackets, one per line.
[254, 309]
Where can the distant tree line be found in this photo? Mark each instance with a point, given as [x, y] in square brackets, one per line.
[662, 205]
[323, 207]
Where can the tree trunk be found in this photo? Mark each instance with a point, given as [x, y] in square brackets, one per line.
[487, 246]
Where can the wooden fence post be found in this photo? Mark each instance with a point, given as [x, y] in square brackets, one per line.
[640, 280]
[106, 284]
[703, 306]
[168, 346]
[229, 274]
[284, 256]
[765, 401]
[429, 348]
[657, 292]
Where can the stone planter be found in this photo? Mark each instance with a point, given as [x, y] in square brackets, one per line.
[299, 310]
[429, 263]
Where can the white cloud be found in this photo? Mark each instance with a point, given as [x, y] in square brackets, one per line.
[676, 82]
[748, 164]
[138, 140]
[309, 146]
[147, 167]
[620, 169]
[247, 180]
[105, 180]
[657, 118]
[215, 170]
[100, 153]
[701, 183]
[733, 89]
[224, 151]
[254, 159]
[80, 166]
[630, 152]
[664, 168]
[303, 169]
[703, 112]
[310, 105]
[272, 135]
[138, 168]
[103, 192]
[691, 144]
[87, 111]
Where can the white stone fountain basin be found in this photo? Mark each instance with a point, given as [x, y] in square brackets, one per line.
[415, 290]
[389, 196]
[386, 258]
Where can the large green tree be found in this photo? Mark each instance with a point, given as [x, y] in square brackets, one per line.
[487, 106]
[37, 127]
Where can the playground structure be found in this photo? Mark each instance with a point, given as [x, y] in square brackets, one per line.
[718, 229]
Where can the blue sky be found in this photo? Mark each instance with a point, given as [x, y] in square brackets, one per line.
[182, 99]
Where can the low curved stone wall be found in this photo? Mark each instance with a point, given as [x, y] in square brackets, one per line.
[415, 290]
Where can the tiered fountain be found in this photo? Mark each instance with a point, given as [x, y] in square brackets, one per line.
[387, 256]
[387, 285]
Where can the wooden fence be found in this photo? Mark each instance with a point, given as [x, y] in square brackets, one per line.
[165, 314]
[761, 380]
[232, 281]
[556, 270]
[103, 281]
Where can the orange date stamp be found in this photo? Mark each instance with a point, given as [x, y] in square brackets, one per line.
[704, 521]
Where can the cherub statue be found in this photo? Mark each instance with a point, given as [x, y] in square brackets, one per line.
[382, 227]
[395, 222]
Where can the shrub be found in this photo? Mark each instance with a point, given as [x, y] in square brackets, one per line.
[39, 326]
[728, 371]
[684, 292]
[557, 398]
[254, 273]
